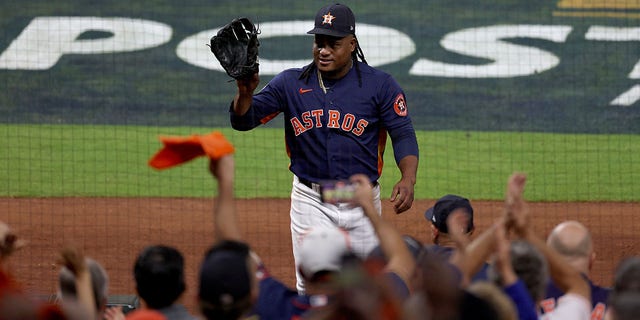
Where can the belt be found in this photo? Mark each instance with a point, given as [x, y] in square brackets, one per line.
[316, 187]
[311, 185]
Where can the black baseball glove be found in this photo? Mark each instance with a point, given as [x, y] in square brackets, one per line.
[236, 47]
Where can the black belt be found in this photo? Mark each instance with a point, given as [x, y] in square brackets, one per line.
[311, 185]
[316, 187]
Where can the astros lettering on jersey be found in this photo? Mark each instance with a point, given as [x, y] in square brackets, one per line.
[343, 131]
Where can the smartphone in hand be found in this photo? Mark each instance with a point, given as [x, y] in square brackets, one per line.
[336, 191]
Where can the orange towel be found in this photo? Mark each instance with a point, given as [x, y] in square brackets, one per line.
[178, 150]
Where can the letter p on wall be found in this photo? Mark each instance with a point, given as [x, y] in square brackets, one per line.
[46, 39]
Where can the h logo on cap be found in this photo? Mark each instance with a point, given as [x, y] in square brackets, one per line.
[328, 18]
[335, 20]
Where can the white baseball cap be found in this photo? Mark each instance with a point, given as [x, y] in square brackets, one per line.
[322, 249]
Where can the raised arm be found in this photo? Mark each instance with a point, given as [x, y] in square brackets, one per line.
[9, 243]
[76, 263]
[471, 255]
[224, 212]
[511, 284]
[566, 277]
[399, 258]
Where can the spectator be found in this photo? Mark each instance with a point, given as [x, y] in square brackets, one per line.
[234, 271]
[497, 299]
[414, 245]
[14, 304]
[228, 283]
[138, 314]
[624, 307]
[625, 294]
[99, 283]
[159, 277]
[359, 293]
[575, 303]
[627, 276]
[146, 314]
[9, 244]
[437, 293]
[522, 272]
[470, 256]
[573, 242]
[85, 297]
[438, 216]
[229, 277]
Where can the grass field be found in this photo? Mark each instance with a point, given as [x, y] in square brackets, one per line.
[69, 160]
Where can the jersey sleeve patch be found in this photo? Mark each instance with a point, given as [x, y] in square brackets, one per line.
[400, 106]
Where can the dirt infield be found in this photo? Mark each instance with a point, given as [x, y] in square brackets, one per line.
[114, 230]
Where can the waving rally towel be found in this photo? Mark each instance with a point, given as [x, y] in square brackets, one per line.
[177, 150]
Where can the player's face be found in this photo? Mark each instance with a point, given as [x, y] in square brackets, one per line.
[332, 55]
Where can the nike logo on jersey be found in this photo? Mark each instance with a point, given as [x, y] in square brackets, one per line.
[303, 91]
[334, 119]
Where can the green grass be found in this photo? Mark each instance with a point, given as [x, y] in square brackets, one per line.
[111, 161]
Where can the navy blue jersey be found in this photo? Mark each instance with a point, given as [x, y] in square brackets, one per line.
[599, 296]
[336, 134]
[277, 302]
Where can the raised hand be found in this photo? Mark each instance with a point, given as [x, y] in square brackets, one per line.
[363, 194]
[517, 212]
[9, 241]
[73, 260]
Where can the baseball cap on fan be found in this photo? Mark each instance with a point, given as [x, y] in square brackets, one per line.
[439, 213]
[224, 274]
[322, 249]
[335, 20]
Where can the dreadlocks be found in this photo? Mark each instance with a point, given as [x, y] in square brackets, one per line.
[306, 73]
[355, 55]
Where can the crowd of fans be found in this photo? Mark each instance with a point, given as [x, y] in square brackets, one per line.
[505, 272]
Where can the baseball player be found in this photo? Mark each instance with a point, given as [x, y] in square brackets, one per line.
[337, 113]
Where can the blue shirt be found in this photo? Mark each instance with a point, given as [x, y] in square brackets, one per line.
[276, 301]
[522, 300]
[336, 134]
